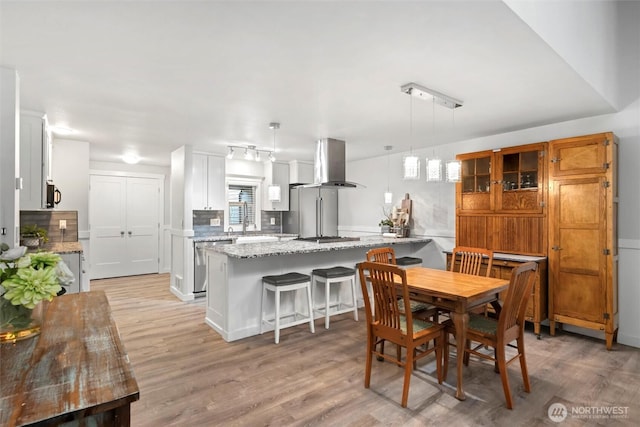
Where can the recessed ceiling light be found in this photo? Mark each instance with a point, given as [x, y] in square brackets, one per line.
[131, 158]
[62, 130]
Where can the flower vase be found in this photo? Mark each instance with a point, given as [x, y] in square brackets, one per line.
[18, 322]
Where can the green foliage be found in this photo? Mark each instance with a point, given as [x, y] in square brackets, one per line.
[32, 230]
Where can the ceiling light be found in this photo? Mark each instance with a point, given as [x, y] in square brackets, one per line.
[421, 92]
[411, 163]
[388, 196]
[434, 170]
[61, 130]
[131, 158]
[248, 155]
[274, 126]
[453, 171]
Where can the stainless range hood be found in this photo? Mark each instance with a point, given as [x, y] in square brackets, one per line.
[330, 165]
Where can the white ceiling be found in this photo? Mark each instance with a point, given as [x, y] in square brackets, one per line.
[153, 76]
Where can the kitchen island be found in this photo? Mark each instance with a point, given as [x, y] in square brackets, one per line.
[234, 274]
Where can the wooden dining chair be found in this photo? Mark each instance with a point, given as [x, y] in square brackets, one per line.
[421, 310]
[498, 333]
[391, 323]
[469, 260]
[384, 255]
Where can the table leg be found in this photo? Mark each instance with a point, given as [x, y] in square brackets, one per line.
[460, 320]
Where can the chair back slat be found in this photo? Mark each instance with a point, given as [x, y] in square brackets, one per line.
[383, 255]
[470, 260]
[515, 303]
[385, 280]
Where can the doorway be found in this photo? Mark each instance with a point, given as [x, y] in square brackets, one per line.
[124, 225]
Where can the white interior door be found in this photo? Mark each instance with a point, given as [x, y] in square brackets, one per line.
[124, 224]
[107, 207]
[142, 225]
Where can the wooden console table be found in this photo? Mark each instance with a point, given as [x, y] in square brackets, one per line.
[76, 369]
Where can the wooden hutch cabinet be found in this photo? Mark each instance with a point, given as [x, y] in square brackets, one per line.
[583, 247]
[501, 200]
[501, 205]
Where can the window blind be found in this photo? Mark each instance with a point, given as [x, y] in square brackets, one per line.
[236, 197]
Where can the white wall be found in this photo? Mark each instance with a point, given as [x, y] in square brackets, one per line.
[70, 173]
[10, 158]
[434, 204]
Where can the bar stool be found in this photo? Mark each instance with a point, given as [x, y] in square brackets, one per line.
[408, 262]
[286, 283]
[330, 276]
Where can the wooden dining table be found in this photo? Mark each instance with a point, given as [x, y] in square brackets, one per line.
[457, 293]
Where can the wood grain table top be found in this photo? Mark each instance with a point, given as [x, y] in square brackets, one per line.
[75, 368]
[451, 285]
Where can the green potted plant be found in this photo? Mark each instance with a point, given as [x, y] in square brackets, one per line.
[33, 236]
[385, 223]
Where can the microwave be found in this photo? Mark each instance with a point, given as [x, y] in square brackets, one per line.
[54, 196]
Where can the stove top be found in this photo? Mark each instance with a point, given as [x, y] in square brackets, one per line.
[328, 239]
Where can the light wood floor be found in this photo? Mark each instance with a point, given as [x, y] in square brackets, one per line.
[189, 376]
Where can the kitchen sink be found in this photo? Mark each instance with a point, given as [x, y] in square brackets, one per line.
[255, 239]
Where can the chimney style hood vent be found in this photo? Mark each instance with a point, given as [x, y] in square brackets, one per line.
[330, 165]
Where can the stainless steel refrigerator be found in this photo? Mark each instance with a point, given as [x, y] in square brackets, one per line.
[313, 212]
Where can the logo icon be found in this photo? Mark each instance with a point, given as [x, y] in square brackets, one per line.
[557, 412]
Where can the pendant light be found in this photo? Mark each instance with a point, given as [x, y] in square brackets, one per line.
[388, 196]
[453, 168]
[433, 164]
[274, 191]
[411, 163]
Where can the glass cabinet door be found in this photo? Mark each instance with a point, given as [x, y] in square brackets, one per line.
[519, 172]
[474, 189]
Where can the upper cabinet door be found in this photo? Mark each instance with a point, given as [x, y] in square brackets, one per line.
[520, 179]
[474, 188]
[581, 155]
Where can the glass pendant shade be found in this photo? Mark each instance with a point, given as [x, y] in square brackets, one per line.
[453, 171]
[411, 167]
[388, 197]
[434, 170]
[274, 193]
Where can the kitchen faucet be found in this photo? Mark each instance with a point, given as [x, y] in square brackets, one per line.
[245, 220]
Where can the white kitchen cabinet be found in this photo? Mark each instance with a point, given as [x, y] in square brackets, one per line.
[35, 160]
[300, 172]
[276, 174]
[74, 262]
[208, 191]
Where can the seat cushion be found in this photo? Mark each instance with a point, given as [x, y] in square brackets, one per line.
[407, 260]
[415, 306]
[334, 272]
[418, 325]
[485, 325]
[286, 279]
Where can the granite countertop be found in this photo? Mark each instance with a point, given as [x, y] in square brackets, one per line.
[256, 250]
[63, 247]
[225, 236]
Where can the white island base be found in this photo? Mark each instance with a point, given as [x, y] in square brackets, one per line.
[234, 276]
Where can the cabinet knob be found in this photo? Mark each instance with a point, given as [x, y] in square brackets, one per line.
[129, 232]
[556, 248]
[122, 233]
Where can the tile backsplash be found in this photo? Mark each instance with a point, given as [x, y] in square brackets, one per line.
[50, 220]
[265, 221]
[202, 222]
